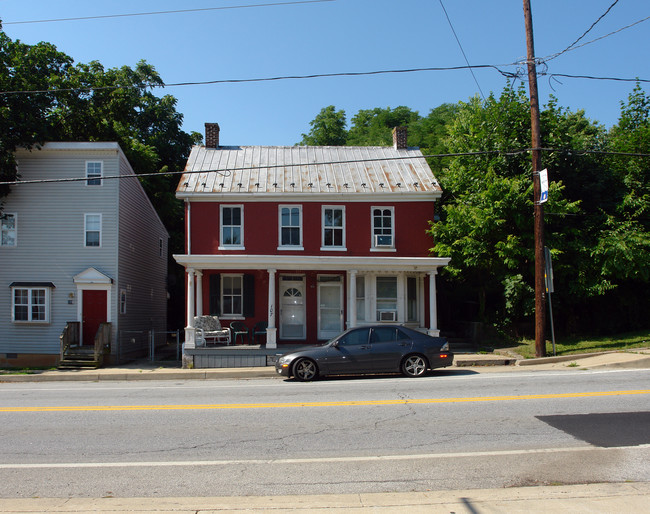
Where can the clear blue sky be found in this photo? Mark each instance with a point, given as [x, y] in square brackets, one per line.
[344, 36]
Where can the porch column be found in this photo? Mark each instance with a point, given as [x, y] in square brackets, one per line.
[199, 292]
[433, 306]
[421, 311]
[189, 329]
[352, 298]
[271, 331]
[401, 297]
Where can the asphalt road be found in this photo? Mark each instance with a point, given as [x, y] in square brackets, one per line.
[450, 430]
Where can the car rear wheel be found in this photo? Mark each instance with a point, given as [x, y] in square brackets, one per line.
[305, 370]
[414, 366]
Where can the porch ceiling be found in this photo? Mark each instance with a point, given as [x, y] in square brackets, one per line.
[312, 262]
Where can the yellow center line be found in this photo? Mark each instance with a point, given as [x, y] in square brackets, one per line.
[349, 403]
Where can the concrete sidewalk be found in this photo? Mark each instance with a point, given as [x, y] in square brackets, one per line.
[477, 363]
[610, 497]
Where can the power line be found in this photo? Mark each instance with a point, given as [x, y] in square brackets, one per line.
[591, 27]
[264, 79]
[151, 13]
[461, 49]
[227, 172]
[572, 47]
[590, 77]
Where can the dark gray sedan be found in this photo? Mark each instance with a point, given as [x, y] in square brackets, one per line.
[369, 349]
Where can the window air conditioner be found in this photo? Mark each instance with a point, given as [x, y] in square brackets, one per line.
[387, 315]
[382, 241]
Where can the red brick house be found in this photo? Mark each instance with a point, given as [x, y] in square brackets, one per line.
[311, 240]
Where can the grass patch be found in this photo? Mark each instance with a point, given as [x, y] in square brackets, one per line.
[23, 371]
[578, 345]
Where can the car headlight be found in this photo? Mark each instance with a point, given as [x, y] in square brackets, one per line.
[445, 347]
[284, 360]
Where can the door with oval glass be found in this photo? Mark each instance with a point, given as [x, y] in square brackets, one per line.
[330, 306]
[292, 307]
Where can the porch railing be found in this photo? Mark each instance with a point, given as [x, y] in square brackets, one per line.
[102, 341]
[69, 337]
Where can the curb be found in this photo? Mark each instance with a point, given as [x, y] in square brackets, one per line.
[564, 358]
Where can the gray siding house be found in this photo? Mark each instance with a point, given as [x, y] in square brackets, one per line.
[85, 251]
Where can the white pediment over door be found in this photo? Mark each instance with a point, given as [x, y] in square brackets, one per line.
[92, 276]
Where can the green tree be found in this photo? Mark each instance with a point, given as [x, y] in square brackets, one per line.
[24, 115]
[374, 127]
[623, 249]
[86, 102]
[327, 128]
[486, 216]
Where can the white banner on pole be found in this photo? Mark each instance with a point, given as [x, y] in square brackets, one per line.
[543, 185]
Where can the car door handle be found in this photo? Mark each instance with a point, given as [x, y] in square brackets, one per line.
[365, 347]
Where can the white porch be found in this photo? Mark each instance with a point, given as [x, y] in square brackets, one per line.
[411, 271]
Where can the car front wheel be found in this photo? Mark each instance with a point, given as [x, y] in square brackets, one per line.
[305, 370]
[414, 366]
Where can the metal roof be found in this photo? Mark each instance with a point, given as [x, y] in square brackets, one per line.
[306, 170]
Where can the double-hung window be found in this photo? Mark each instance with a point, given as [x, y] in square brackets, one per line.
[232, 226]
[94, 173]
[30, 304]
[334, 228]
[93, 230]
[8, 228]
[383, 228]
[291, 226]
[232, 293]
[386, 298]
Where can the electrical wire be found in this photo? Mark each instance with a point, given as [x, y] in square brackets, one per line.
[229, 171]
[462, 51]
[619, 79]
[263, 79]
[573, 47]
[83, 18]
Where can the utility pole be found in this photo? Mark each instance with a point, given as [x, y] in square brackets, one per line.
[540, 313]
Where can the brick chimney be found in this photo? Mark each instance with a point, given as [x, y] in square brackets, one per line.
[212, 135]
[399, 138]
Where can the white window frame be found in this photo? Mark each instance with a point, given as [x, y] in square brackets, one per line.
[122, 301]
[380, 302]
[94, 179]
[324, 228]
[47, 302]
[299, 246]
[374, 229]
[4, 229]
[222, 243]
[86, 230]
[362, 297]
[232, 315]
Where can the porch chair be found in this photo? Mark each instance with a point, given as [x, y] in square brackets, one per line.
[260, 330]
[209, 327]
[239, 329]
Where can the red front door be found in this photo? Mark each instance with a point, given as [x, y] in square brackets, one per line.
[93, 314]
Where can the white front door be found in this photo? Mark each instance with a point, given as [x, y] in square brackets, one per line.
[330, 306]
[292, 307]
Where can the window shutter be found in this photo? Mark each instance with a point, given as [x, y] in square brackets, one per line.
[249, 296]
[215, 294]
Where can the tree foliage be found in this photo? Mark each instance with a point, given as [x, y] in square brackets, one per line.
[86, 102]
[596, 219]
[24, 116]
[327, 129]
